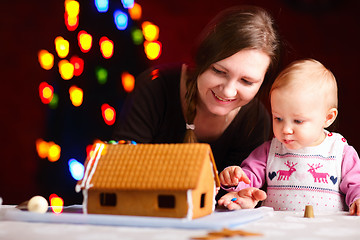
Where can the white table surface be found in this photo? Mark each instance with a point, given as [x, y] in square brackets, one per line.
[274, 225]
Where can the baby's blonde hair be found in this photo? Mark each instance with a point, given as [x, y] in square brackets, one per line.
[309, 75]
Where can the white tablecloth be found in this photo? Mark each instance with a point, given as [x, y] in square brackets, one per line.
[274, 225]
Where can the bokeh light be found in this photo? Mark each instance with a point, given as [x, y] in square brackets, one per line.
[101, 75]
[54, 152]
[150, 31]
[135, 12]
[71, 23]
[46, 59]
[76, 95]
[61, 47]
[54, 101]
[106, 47]
[137, 36]
[78, 64]
[108, 114]
[102, 5]
[66, 69]
[56, 203]
[71, 16]
[46, 92]
[42, 148]
[76, 169]
[84, 41]
[128, 81]
[72, 8]
[120, 19]
[128, 3]
[152, 49]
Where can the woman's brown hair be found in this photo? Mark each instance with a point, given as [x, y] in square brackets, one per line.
[232, 30]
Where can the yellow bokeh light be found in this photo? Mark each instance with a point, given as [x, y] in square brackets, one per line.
[84, 41]
[66, 69]
[56, 203]
[76, 95]
[106, 47]
[109, 114]
[72, 21]
[46, 59]
[54, 152]
[72, 8]
[61, 47]
[135, 12]
[47, 93]
[150, 31]
[152, 50]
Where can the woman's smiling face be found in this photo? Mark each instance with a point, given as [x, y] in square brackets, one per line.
[232, 82]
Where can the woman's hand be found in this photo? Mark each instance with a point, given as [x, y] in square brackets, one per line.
[231, 176]
[354, 208]
[245, 198]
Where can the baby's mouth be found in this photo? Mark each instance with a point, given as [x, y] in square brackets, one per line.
[222, 99]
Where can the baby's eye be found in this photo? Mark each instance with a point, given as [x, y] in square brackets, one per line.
[298, 121]
[278, 119]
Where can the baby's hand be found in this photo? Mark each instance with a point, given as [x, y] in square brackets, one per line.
[245, 198]
[355, 207]
[231, 176]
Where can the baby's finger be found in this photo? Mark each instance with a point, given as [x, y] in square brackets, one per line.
[241, 176]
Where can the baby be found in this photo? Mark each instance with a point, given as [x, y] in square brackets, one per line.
[303, 164]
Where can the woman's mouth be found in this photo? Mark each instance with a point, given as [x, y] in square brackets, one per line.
[222, 99]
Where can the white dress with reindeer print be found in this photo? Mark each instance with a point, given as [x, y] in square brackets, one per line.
[308, 176]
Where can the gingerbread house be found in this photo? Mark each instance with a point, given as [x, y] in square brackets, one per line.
[162, 180]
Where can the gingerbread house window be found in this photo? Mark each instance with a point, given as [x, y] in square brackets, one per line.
[202, 200]
[108, 199]
[166, 201]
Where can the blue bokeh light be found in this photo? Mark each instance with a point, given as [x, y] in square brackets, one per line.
[121, 20]
[102, 5]
[128, 3]
[76, 169]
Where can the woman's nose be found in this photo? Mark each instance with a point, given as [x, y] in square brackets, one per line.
[229, 89]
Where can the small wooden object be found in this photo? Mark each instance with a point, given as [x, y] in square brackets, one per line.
[226, 233]
[309, 211]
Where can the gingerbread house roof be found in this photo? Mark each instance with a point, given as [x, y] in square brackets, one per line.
[148, 166]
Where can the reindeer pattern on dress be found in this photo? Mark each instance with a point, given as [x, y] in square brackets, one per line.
[285, 174]
[319, 177]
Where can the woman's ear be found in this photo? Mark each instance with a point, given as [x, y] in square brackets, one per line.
[330, 117]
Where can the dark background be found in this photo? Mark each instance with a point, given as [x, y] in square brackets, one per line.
[327, 30]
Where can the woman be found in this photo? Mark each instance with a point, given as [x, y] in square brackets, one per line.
[216, 101]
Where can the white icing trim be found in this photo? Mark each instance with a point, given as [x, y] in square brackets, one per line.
[85, 200]
[98, 155]
[215, 189]
[88, 167]
[214, 198]
[190, 205]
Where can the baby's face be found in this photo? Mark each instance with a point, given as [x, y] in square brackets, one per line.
[298, 117]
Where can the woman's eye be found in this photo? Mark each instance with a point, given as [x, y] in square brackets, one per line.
[247, 82]
[217, 71]
[298, 121]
